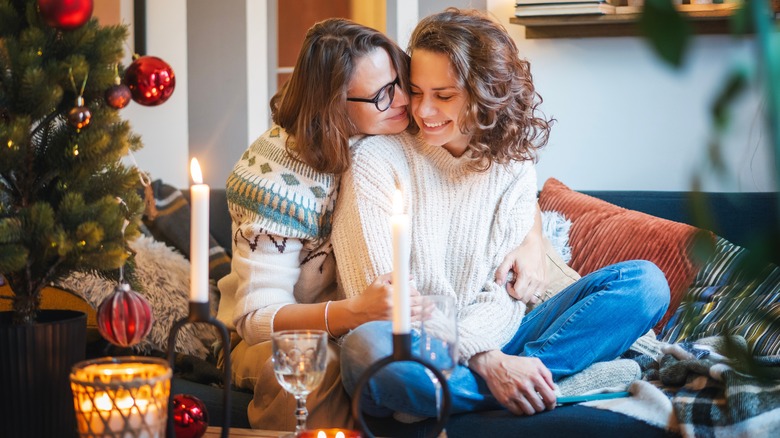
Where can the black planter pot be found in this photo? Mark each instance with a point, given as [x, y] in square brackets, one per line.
[35, 363]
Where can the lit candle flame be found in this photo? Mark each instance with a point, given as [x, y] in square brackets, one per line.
[398, 202]
[197, 176]
[321, 434]
[339, 434]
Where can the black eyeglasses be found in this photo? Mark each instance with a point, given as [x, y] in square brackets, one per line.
[383, 99]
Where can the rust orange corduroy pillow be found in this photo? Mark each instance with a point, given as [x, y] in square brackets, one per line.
[603, 233]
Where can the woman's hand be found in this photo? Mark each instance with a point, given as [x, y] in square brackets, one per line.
[376, 301]
[523, 385]
[527, 281]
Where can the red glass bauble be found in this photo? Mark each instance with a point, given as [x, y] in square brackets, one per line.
[65, 14]
[190, 418]
[125, 317]
[79, 116]
[151, 80]
[118, 96]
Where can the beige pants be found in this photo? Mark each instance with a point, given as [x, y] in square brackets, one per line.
[274, 408]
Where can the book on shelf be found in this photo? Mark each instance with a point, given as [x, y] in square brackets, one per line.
[557, 2]
[578, 8]
[683, 8]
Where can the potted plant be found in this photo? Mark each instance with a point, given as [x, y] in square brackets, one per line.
[67, 203]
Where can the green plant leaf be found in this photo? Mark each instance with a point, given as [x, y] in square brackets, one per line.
[666, 30]
[730, 90]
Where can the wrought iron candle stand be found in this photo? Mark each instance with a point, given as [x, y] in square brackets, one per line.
[402, 352]
[201, 312]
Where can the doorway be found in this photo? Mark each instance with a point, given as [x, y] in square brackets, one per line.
[297, 16]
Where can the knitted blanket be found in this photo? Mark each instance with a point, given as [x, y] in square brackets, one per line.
[694, 389]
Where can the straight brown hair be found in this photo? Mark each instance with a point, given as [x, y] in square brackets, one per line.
[311, 105]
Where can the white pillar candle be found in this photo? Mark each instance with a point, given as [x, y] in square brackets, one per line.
[199, 236]
[401, 252]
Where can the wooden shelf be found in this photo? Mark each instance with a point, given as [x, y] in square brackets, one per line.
[612, 25]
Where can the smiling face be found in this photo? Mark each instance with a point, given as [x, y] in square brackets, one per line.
[437, 101]
[373, 73]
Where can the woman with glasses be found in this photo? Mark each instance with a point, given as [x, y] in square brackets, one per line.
[349, 80]
[470, 189]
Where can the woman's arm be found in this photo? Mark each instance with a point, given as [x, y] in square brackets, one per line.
[264, 270]
[339, 317]
[361, 223]
[527, 263]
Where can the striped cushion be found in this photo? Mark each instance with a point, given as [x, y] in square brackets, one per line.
[732, 294]
[170, 224]
[603, 234]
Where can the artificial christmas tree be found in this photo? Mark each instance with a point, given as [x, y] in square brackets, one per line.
[67, 203]
[65, 196]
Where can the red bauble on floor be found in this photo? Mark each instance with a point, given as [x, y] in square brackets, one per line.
[151, 80]
[190, 418]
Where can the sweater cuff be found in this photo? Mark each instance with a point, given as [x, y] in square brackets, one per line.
[257, 326]
[471, 347]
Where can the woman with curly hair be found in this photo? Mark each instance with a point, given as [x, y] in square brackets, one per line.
[469, 184]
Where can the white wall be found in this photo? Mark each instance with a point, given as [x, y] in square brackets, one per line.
[164, 128]
[218, 91]
[627, 121]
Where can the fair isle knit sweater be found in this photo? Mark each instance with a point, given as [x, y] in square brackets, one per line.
[281, 211]
[463, 223]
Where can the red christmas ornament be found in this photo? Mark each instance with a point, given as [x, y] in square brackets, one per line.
[65, 14]
[79, 116]
[190, 418]
[125, 317]
[118, 96]
[151, 80]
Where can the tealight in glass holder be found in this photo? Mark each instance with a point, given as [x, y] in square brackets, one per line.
[121, 397]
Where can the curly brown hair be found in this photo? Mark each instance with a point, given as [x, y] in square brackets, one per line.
[501, 113]
[311, 105]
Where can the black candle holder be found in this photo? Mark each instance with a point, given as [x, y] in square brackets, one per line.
[402, 352]
[201, 312]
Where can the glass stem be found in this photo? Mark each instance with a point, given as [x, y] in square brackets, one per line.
[301, 413]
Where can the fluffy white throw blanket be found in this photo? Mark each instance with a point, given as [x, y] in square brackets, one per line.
[162, 274]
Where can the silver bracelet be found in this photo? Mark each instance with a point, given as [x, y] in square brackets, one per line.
[327, 327]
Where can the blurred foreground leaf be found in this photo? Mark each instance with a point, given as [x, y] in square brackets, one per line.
[666, 29]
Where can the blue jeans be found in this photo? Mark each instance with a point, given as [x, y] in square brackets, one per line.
[595, 319]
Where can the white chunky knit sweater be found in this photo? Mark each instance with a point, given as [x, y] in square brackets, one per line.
[463, 225]
[281, 211]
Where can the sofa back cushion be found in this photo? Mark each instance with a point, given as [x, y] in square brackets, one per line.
[603, 234]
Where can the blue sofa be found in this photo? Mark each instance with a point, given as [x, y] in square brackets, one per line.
[746, 219]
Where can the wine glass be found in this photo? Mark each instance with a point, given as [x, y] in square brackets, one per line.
[300, 358]
[439, 338]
